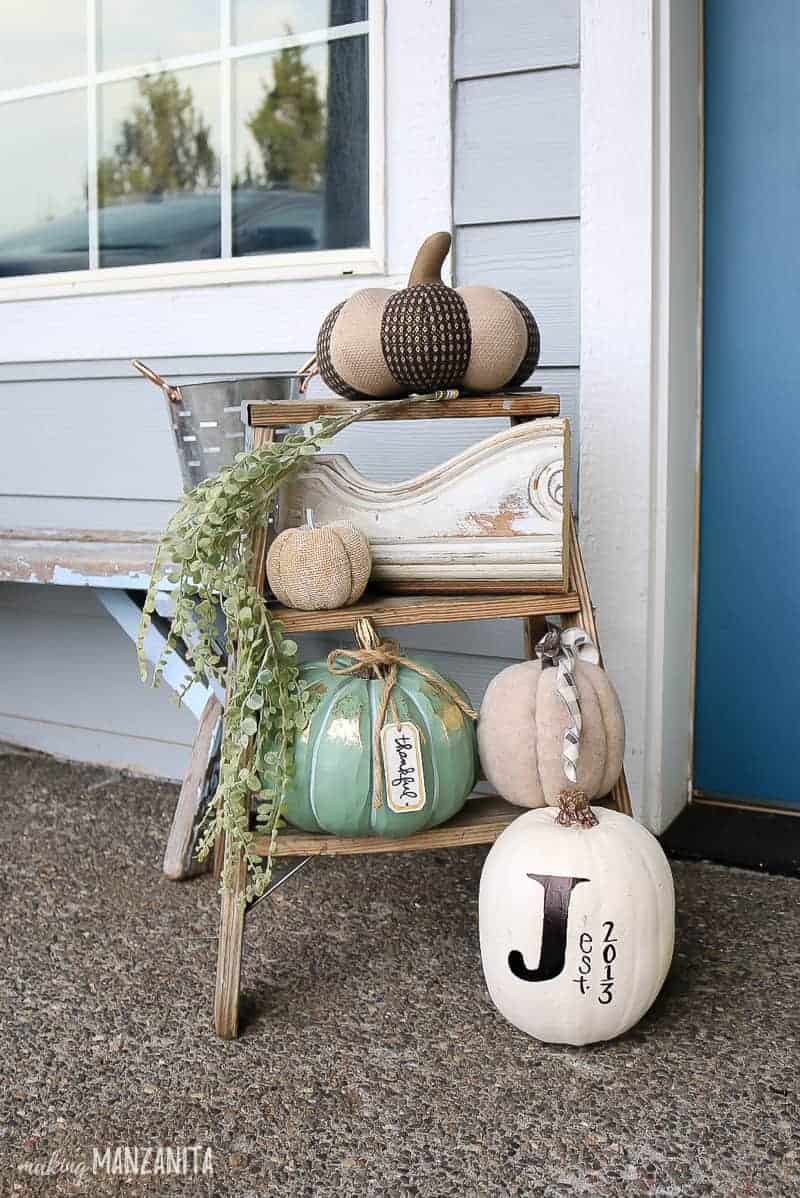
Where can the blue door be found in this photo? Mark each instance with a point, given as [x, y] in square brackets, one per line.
[747, 727]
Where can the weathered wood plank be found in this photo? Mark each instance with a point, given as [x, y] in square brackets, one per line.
[76, 557]
[232, 907]
[520, 134]
[229, 952]
[179, 859]
[286, 412]
[480, 822]
[531, 33]
[398, 610]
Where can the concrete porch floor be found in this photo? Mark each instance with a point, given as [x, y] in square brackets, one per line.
[372, 1061]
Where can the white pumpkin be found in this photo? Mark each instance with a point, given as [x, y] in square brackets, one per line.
[576, 925]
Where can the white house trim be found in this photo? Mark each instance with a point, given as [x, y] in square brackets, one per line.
[411, 190]
[640, 370]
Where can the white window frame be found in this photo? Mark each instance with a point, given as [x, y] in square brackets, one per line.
[318, 264]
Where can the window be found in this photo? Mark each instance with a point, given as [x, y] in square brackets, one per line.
[183, 131]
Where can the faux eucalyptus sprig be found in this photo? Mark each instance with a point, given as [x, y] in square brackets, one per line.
[206, 555]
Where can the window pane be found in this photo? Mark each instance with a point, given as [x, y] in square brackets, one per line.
[256, 21]
[42, 40]
[301, 152]
[151, 29]
[43, 222]
[158, 173]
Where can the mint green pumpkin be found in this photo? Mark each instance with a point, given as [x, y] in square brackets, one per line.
[332, 787]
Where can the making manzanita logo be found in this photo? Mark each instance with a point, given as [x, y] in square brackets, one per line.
[56, 1165]
[126, 1160]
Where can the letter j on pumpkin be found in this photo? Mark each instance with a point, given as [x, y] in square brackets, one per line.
[576, 923]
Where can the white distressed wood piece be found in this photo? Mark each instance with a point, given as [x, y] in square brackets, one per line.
[76, 557]
[495, 512]
[531, 34]
[197, 791]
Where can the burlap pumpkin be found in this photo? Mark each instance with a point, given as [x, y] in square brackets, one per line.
[316, 569]
[382, 343]
[521, 732]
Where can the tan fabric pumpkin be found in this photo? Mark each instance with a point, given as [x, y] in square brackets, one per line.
[380, 343]
[521, 732]
[316, 569]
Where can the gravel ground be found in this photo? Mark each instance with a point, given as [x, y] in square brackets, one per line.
[372, 1062]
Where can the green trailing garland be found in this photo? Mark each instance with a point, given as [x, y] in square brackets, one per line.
[206, 556]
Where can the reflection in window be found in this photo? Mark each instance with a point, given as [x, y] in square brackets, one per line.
[158, 171]
[113, 167]
[43, 217]
[42, 40]
[301, 149]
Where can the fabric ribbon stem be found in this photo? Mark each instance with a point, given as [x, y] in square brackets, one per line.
[560, 649]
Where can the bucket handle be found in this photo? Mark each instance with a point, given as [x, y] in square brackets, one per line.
[173, 394]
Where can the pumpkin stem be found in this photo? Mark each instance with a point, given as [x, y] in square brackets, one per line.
[431, 254]
[574, 809]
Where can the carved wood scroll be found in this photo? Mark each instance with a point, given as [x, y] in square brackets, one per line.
[492, 518]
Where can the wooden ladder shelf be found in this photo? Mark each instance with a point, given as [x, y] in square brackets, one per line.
[484, 816]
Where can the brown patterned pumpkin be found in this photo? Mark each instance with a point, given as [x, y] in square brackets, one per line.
[381, 343]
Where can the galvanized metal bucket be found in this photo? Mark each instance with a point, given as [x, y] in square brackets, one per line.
[206, 418]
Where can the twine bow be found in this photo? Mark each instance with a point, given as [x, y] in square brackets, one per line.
[384, 660]
[560, 649]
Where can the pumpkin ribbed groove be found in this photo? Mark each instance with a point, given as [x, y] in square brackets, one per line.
[335, 696]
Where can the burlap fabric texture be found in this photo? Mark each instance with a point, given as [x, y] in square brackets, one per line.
[380, 343]
[316, 569]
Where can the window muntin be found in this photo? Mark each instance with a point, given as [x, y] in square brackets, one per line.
[244, 150]
[256, 21]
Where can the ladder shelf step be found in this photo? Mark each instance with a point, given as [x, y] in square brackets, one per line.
[279, 413]
[396, 610]
[481, 821]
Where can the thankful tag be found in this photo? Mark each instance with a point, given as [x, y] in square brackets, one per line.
[402, 767]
